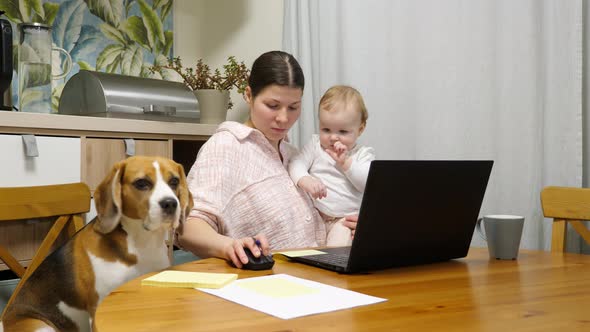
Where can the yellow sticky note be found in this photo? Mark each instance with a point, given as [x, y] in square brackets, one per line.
[185, 279]
[277, 288]
[300, 253]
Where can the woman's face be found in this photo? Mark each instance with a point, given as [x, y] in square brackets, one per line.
[274, 110]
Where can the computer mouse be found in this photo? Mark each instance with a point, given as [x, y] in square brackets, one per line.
[258, 263]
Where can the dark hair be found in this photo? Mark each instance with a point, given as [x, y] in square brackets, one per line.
[275, 67]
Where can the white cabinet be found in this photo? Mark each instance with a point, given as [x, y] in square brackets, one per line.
[58, 161]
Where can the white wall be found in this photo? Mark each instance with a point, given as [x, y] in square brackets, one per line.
[214, 30]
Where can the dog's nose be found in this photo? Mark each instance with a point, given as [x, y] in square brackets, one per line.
[168, 205]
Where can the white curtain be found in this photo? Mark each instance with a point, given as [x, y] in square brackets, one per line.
[456, 79]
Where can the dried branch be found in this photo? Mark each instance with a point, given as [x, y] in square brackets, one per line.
[235, 75]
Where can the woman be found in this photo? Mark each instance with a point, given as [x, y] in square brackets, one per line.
[243, 192]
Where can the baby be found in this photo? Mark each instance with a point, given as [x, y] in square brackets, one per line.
[332, 167]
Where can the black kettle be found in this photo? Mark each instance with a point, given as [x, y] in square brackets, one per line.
[5, 63]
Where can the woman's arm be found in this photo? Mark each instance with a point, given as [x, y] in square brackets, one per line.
[198, 237]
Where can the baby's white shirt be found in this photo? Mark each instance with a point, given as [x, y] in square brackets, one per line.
[345, 189]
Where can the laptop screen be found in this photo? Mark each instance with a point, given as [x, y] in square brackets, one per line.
[418, 211]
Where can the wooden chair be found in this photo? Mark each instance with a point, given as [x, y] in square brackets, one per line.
[66, 202]
[566, 205]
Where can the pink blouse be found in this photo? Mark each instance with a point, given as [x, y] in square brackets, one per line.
[241, 188]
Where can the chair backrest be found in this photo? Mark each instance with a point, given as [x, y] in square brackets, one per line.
[566, 205]
[66, 202]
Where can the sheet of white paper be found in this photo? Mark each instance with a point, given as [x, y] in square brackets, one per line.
[286, 297]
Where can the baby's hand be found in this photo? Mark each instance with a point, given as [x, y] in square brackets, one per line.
[340, 156]
[340, 148]
[314, 187]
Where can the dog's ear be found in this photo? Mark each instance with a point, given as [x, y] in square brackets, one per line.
[185, 197]
[107, 198]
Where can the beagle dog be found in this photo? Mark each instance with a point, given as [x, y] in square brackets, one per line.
[137, 204]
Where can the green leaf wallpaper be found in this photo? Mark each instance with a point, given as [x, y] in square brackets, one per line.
[116, 36]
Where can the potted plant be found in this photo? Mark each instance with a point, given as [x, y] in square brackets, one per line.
[211, 87]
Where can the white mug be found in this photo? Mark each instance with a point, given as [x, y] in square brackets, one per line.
[502, 233]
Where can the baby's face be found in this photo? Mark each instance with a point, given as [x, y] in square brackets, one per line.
[340, 124]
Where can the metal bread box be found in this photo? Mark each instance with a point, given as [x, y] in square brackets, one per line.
[98, 94]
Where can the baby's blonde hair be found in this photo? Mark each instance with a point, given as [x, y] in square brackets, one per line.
[347, 94]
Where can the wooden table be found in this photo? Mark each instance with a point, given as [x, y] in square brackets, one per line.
[541, 291]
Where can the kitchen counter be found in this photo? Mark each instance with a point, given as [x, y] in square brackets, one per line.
[73, 125]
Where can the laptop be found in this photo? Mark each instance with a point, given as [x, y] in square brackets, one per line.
[412, 212]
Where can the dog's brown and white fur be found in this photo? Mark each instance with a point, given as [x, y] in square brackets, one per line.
[137, 203]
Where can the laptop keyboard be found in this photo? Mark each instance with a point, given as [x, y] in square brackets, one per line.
[339, 260]
[333, 256]
[344, 251]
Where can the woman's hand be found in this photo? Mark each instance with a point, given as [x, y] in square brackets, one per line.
[350, 222]
[234, 251]
[313, 186]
